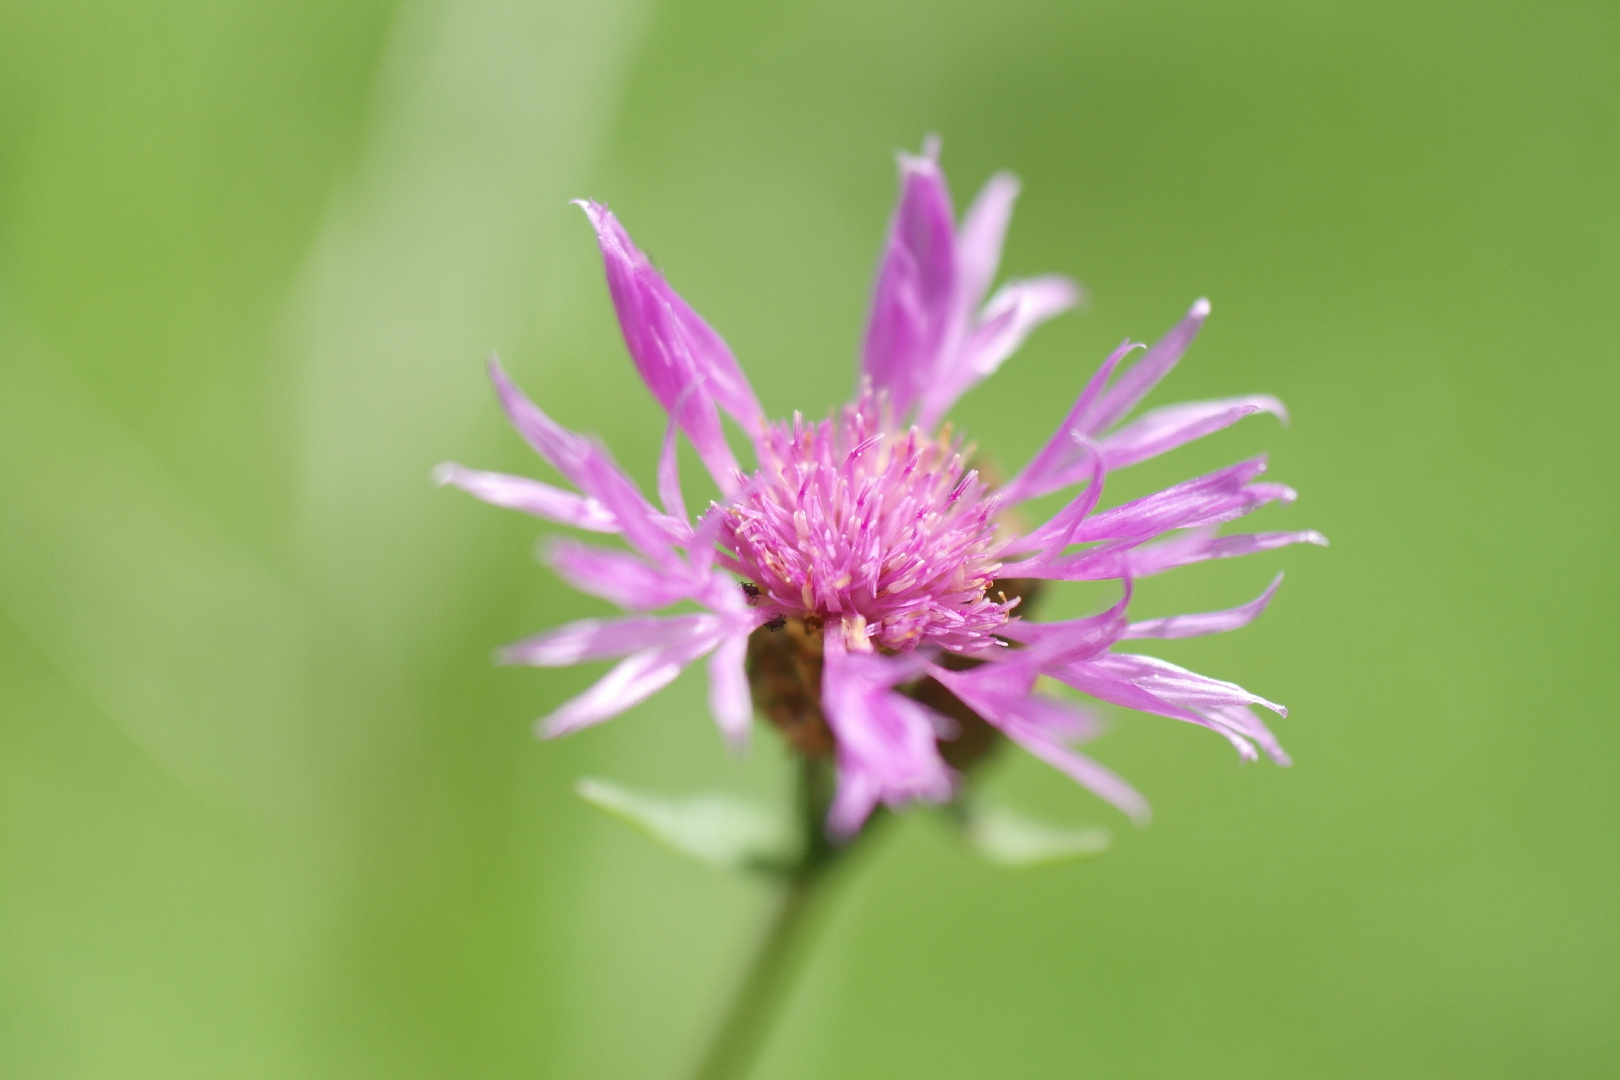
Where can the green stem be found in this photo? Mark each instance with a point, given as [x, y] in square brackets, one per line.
[743, 1033]
[769, 981]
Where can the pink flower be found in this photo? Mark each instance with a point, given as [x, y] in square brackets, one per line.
[862, 559]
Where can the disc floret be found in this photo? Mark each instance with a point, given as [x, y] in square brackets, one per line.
[885, 531]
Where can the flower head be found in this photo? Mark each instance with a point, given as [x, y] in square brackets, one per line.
[884, 531]
[861, 586]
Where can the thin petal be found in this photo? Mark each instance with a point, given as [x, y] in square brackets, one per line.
[1118, 689]
[1040, 724]
[1245, 721]
[1071, 640]
[681, 359]
[619, 577]
[669, 476]
[984, 228]
[1193, 501]
[1016, 309]
[1145, 374]
[1179, 686]
[702, 554]
[1132, 558]
[1101, 563]
[1102, 782]
[1060, 462]
[564, 450]
[729, 697]
[1175, 425]
[1215, 497]
[529, 496]
[722, 376]
[1060, 530]
[1203, 544]
[1063, 720]
[587, 466]
[914, 296]
[603, 639]
[857, 796]
[632, 681]
[886, 742]
[1241, 503]
[1001, 680]
[1212, 622]
[643, 528]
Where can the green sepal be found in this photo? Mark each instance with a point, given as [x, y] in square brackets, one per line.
[715, 829]
[1007, 838]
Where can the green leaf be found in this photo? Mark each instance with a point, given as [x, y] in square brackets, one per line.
[1001, 836]
[722, 831]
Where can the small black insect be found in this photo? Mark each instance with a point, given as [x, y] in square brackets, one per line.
[776, 623]
[751, 591]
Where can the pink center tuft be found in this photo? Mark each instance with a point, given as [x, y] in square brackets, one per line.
[881, 531]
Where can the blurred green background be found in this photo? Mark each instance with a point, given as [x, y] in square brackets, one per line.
[267, 810]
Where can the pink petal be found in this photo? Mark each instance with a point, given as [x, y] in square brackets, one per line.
[685, 364]
[630, 682]
[1135, 384]
[1060, 462]
[978, 246]
[1241, 503]
[1213, 622]
[587, 466]
[1002, 680]
[1244, 721]
[886, 742]
[1201, 545]
[729, 697]
[1094, 777]
[1179, 686]
[1062, 720]
[562, 449]
[1016, 309]
[1184, 504]
[1061, 529]
[857, 796]
[1118, 689]
[619, 577]
[529, 496]
[1101, 563]
[643, 528]
[1165, 429]
[669, 476]
[723, 377]
[602, 639]
[702, 553]
[1070, 640]
[1040, 724]
[1218, 496]
[914, 297]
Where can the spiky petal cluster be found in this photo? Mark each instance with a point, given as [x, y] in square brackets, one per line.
[867, 529]
[880, 530]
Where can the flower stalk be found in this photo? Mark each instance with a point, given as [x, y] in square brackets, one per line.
[779, 958]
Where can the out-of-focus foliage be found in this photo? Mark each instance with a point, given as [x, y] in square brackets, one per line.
[716, 830]
[267, 810]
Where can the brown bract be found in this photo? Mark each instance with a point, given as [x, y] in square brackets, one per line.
[784, 674]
